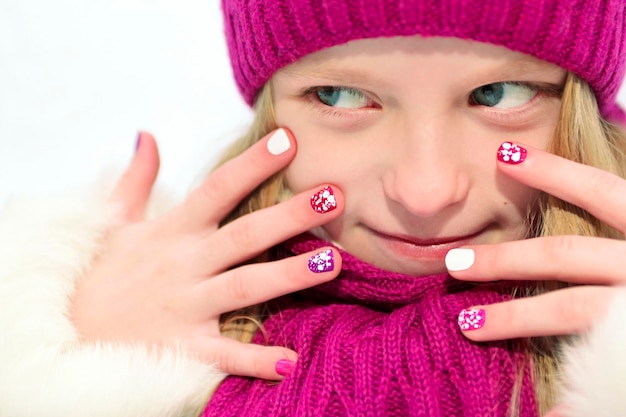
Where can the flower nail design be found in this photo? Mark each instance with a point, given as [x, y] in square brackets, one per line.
[511, 153]
[322, 262]
[324, 200]
[471, 319]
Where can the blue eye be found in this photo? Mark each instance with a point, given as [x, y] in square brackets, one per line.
[505, 95]
[342, 97]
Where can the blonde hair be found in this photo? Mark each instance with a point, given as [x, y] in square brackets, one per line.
[580, 135]
[243, 324]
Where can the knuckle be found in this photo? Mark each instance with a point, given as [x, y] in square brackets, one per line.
[605, 183]
[576, 307]
[242, 235]
[214, 186]
[557, 248]
[240, 360]
[237, 285]
[210, 188]
[226, 362]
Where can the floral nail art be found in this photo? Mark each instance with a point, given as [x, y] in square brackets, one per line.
[471, 319]
[322, 262]
[511, 153]
[324, 200]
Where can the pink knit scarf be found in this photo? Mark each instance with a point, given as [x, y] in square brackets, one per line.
[376, 343]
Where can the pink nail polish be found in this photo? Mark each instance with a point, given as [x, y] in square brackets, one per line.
[511, 153]
[322, 262]
[471, 319]
[284, 367]
[138, 143]
[324, 200]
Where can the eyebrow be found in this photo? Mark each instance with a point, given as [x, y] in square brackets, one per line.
[330, 73]
[344, 74]
[520, 67]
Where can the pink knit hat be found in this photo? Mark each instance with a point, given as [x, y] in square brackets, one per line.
[586, 37]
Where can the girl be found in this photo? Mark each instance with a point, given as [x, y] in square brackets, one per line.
[432, 137]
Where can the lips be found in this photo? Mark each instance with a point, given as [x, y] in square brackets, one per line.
[430, 249]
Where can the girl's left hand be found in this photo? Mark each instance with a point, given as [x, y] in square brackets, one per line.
[596, 262]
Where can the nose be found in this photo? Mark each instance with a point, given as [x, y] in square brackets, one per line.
[430, 174]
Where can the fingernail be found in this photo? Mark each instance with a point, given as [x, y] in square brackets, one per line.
[324, 200]
[278, 142]
[322, 262]
[138, 143]
[459, 259]
[284, 367]
[511, 153]
[471, 319]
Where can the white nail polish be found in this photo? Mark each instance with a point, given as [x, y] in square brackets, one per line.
[278, 142]
[459, 259]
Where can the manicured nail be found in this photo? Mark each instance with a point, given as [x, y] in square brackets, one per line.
[324, 200]
[471, 319]
[459, 259]
[278, 142]
[511, 153]
[322, 262]
[138, 143]
[284, 367]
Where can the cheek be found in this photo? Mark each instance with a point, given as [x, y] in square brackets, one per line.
[306, 171]
[515, 202]
[324, 158]
[507, 202]
[519, 196]
[300, 174]
[316, 160]
[324, 155]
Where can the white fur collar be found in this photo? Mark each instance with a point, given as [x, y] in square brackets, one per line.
[45, 246]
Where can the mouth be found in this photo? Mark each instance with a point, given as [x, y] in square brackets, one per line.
[423, 249]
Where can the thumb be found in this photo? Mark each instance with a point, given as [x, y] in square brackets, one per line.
[134, 187]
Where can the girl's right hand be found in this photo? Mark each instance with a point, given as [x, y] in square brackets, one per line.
[167, 281]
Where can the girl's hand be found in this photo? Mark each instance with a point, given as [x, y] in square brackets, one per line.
[167, 281]
[597, 262]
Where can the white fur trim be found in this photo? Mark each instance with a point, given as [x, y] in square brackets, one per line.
[45, 246]
[595, 369]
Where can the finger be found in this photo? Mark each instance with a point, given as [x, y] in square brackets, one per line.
[574, 259]
[558, 411]
[599, 192]
[256, 283]
[562, 312]
[246, 359]
[134, 188]
[224, 189]
[252, 234]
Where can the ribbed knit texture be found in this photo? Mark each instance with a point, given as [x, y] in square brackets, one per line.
[375, 343]
[587, 37]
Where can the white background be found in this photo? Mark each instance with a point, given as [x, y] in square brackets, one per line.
[79, 78]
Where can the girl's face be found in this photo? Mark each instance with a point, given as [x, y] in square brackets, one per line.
[408, 129]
